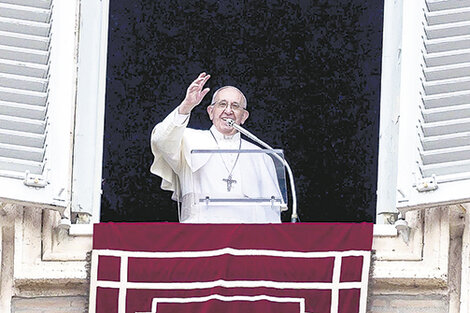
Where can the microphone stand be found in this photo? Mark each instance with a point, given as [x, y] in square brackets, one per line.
[245, 132]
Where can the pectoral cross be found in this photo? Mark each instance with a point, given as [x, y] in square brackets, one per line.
[229, 182]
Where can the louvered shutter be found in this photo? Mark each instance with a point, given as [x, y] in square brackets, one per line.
[434, 148]
[32, 109]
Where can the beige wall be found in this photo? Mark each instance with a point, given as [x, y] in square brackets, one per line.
[40, 260]
[400, 303]
[75, 304]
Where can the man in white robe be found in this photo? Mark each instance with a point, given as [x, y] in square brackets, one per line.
[193, 176]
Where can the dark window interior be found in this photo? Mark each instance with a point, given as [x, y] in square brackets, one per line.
[309, 69]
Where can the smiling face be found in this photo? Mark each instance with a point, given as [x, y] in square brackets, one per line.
[228, 102]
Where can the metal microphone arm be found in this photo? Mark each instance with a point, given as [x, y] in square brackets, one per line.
[242, 130]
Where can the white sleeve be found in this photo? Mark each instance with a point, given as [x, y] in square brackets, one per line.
[167, 138]
[180, 119]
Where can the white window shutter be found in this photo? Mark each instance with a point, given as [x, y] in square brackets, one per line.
[24, 53]
[36, 100]
[434, 140]
[89, 123]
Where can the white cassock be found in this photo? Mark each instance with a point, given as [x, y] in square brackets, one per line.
[194, 176]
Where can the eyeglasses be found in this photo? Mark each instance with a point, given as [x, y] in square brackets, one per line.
[224, 105]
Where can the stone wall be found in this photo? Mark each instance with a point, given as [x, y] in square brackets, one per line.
[74, 304]
[44, 267]
[403, 303]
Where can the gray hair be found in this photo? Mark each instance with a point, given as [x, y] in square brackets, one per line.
[244, 102]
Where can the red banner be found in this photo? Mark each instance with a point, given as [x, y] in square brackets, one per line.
[213, 268]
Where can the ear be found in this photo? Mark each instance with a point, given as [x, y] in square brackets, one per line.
[245, 116]
[210, 111]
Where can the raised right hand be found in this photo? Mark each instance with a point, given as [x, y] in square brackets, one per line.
[194, 94]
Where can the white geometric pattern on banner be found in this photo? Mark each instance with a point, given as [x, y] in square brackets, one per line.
[123, 285]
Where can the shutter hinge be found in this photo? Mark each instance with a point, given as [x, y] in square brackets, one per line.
[38, 181]
[60, 195]
[426, 183]
[402, 197]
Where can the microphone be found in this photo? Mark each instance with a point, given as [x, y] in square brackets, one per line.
[245, 132]
[230, 122]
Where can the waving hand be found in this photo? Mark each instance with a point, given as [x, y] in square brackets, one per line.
[194, 94]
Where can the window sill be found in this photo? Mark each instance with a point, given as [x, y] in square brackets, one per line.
[383, 230]
[81, 230]
[380, 230]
